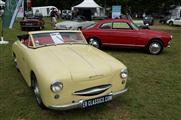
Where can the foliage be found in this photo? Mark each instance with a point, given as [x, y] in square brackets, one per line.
[135, 5]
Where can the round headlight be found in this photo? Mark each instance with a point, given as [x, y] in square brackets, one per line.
[124, 73]
[56, 87]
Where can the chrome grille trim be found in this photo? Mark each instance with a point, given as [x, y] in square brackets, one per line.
[93, 90]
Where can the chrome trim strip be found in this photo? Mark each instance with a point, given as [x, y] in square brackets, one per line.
[79, 104]
[93, 91]
[123, 44]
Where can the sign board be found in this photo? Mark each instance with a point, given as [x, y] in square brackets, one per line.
[116, 11]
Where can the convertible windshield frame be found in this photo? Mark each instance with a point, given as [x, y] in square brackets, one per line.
[54, 38]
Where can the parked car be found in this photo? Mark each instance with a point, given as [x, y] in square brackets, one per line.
[170, 21]
[122, 32]
[65, 72]
[73, 25]
[66, 14]
[148, 20]
[33, 22]
[164, 19]
[176, 21]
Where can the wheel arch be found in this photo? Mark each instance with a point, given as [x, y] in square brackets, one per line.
[97, 38]
[32, 75]
[153, 39]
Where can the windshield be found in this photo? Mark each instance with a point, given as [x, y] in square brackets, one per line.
[55, 38]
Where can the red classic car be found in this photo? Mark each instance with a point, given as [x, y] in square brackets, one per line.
[32, 23]
[122, 32]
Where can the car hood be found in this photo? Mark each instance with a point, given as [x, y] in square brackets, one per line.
[66, 25]
[73, 24]
[77, 62]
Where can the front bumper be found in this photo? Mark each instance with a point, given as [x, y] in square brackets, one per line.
[79, 104]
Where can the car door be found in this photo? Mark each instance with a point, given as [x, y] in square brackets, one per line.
[22, 59]
[177, 21]
[104, 33]
[124, 34]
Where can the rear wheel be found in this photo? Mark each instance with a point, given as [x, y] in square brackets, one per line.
[171, 23]
[155, 47]
[36, 91]
[94, 42]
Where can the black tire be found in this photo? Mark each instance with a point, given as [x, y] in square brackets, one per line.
[155, 47]
[171, 23]
[94, 42]
[36, 91]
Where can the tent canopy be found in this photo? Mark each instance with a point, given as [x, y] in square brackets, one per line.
[2, 3]
[88, 4]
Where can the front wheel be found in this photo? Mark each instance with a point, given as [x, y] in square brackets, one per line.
[36, 91]
[155, 47]
[94, 42]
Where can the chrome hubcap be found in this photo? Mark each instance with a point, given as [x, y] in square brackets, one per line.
[15, 62]
[94, 43]
[154, 48]
[37, 93]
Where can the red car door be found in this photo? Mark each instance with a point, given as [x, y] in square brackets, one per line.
[124, 34]
[118, 33]
[104, 33]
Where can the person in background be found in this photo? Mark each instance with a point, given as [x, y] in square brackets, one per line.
[53, 15]
[38, 14]
[1, 10]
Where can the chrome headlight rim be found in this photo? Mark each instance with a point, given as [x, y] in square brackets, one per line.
[124, 73]
[56, 87]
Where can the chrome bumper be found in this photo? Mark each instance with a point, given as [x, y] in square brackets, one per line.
[79, 104]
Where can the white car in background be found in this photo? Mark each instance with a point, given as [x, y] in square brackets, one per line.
[176, 21]
[73, 25]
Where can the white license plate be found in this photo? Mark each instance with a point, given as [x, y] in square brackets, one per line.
[92, 102]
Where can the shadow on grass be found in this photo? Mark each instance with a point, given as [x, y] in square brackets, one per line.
[124, 50]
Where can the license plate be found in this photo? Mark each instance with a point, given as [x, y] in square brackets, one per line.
[92, 102]
[29, 24]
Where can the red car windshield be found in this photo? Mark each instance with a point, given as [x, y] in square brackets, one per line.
[55, 38]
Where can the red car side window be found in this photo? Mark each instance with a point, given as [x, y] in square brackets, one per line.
[106, 26]
[121, 25]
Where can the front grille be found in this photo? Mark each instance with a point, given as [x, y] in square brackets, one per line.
[93, 90]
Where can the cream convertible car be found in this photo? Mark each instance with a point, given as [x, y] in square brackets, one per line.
[65, 72]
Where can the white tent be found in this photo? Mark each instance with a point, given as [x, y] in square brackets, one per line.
[88, 4]
[92, 5]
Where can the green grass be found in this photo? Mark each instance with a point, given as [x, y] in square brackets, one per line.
[154, 86]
